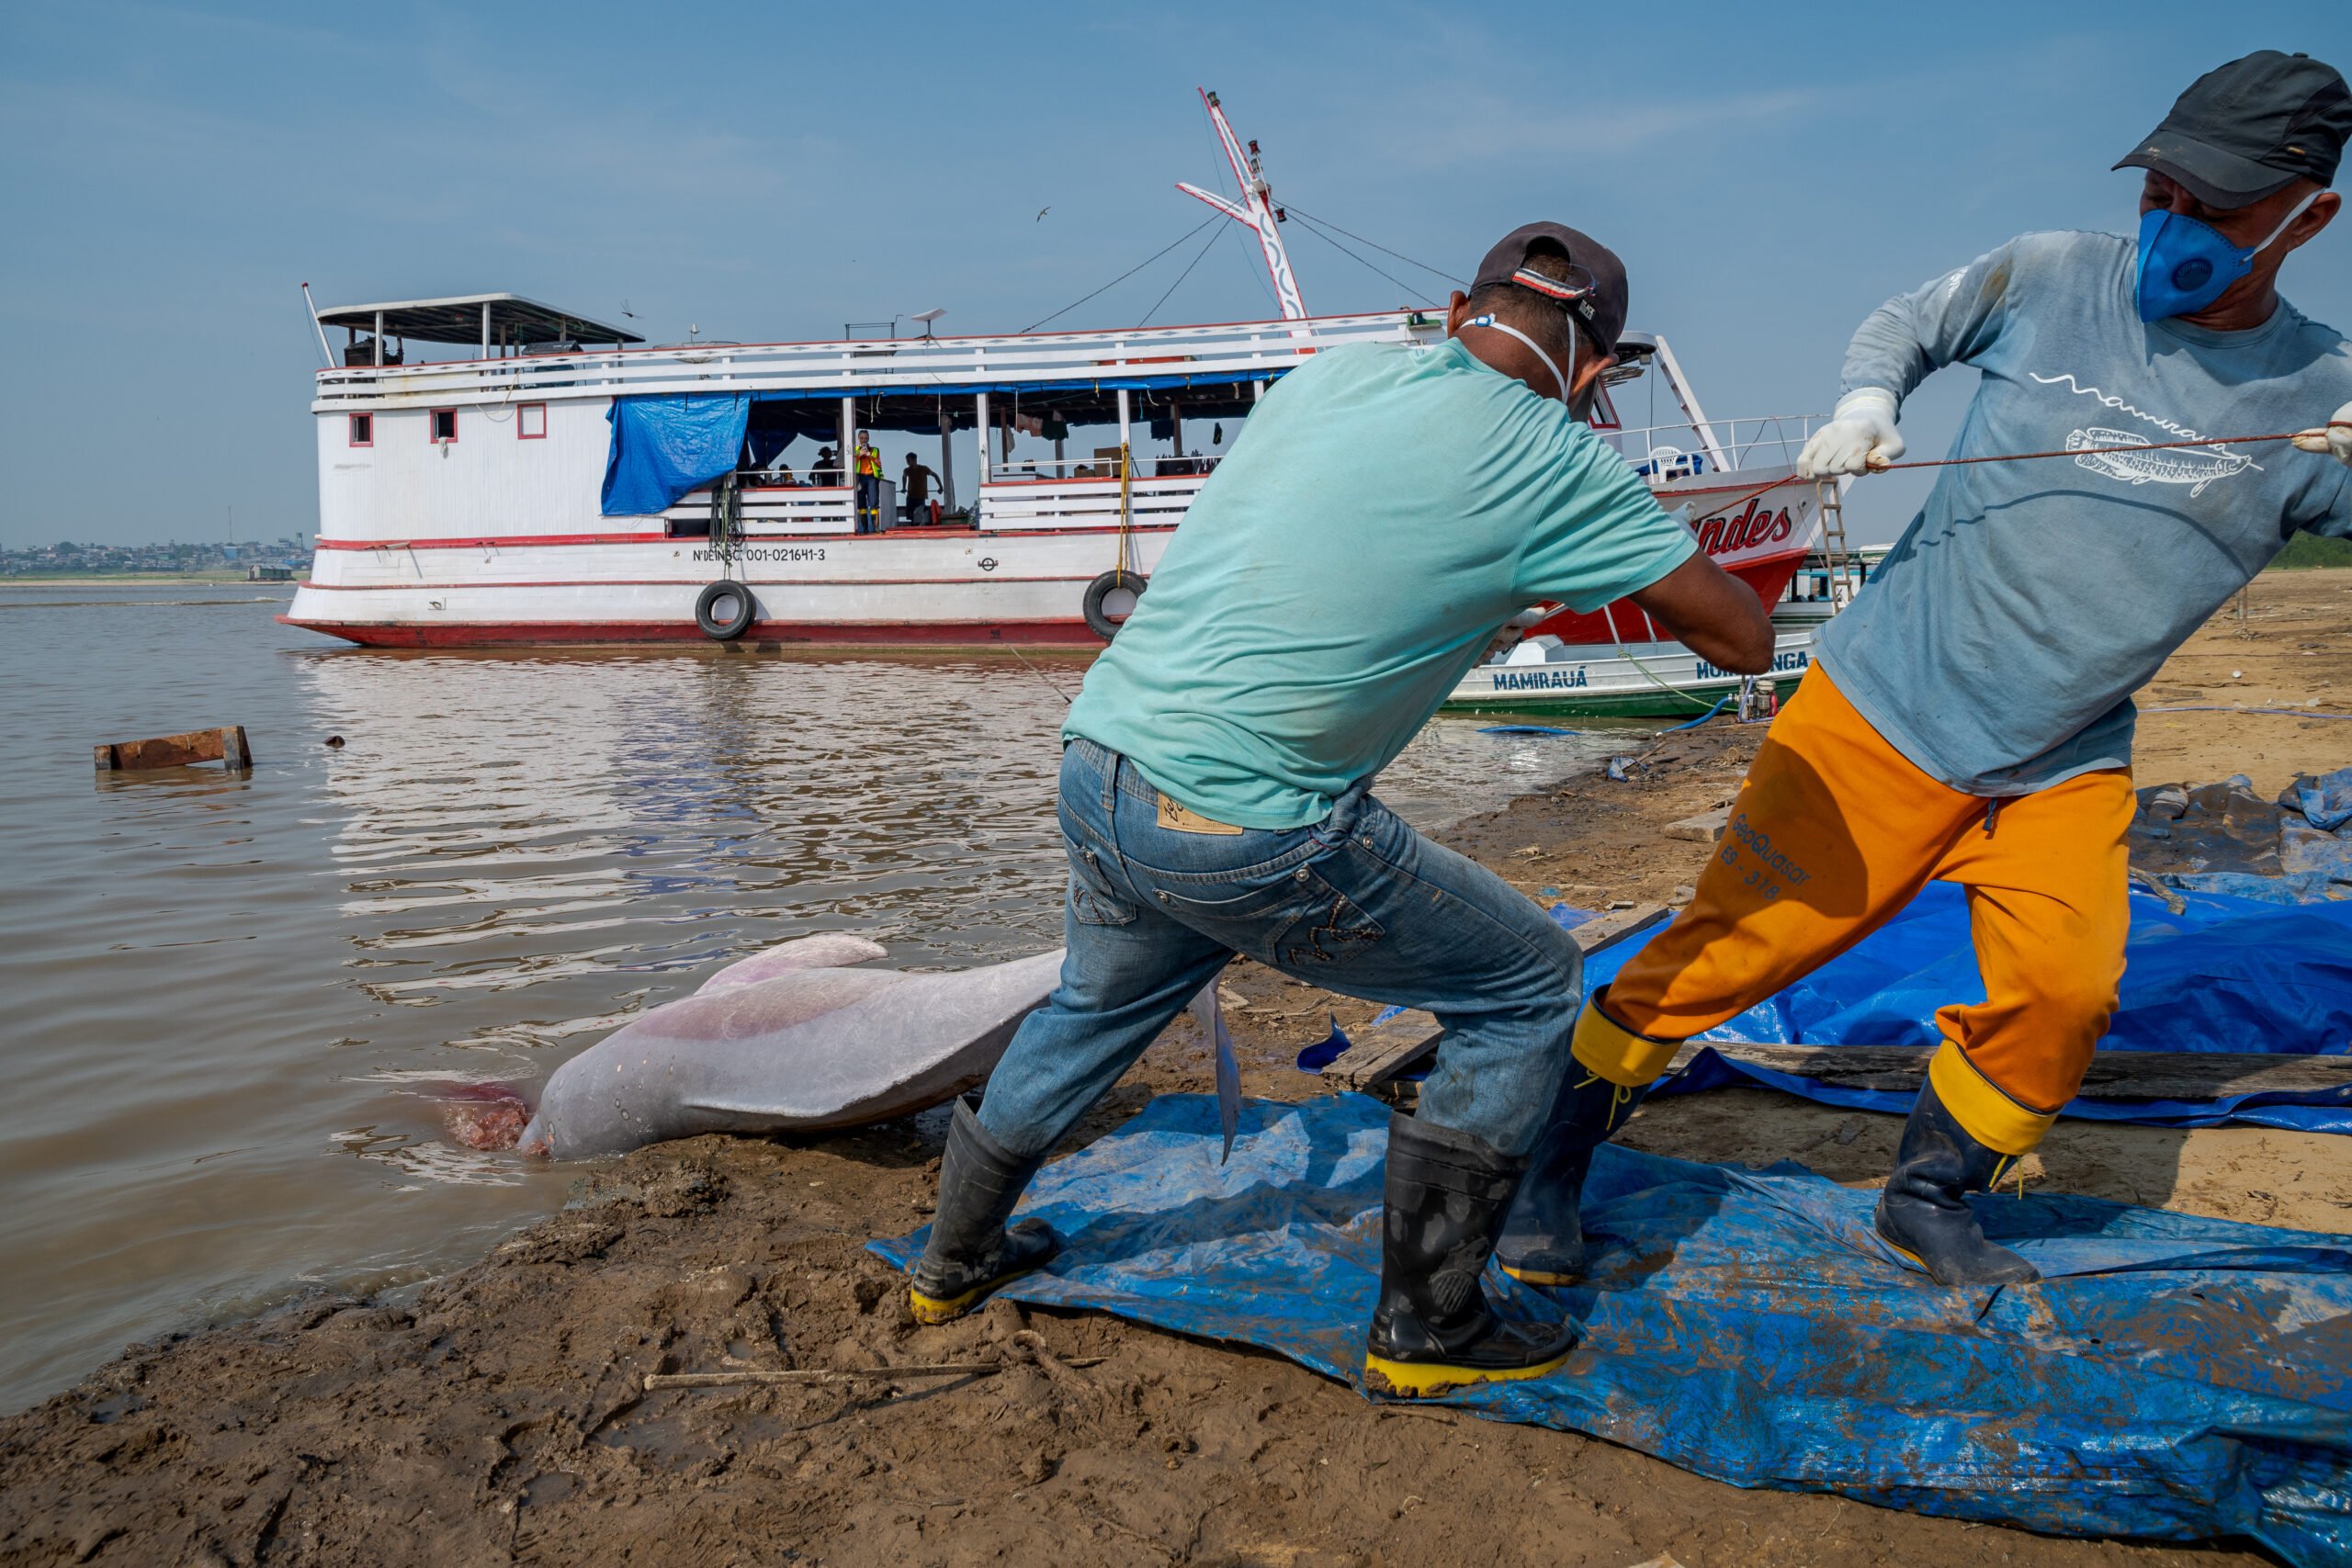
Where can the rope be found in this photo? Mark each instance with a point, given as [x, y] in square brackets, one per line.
[1127, 508]
[1315, 230]
[2225, 707]
[2019, 457]
[1128, 274]
[1037, 672]
[1179, 283]
[1384, 250]
[1609, 618]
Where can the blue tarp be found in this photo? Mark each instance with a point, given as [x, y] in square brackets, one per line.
[666, 444]
[2227, 975]
[2171, 1377]
[664, 447]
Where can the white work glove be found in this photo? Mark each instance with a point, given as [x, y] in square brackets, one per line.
[1512, 632]
[2335, 439]
[1859, 436]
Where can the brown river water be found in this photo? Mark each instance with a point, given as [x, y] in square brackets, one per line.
[228, 1002]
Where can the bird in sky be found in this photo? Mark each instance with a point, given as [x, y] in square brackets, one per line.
[1041, 215]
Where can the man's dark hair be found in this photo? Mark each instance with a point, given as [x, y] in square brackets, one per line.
[1538, 317]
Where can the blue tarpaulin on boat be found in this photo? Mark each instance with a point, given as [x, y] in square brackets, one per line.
[2170, 1377]
[665, 446]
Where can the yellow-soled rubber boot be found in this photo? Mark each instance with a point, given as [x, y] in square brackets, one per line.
[1433, 1330]
[1924, 1213]
[970, 1252]
[1542, 1241]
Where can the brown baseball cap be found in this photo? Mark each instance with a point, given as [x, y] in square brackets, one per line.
[1597, 297]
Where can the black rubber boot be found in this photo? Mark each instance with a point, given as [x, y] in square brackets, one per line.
[1542, 1241]
[1924, 1213]
[1432, 1331]
[970, 1252]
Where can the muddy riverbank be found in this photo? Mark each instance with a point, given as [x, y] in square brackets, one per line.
[497, 1416]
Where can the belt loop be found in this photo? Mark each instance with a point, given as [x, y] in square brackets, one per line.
[1111, 760]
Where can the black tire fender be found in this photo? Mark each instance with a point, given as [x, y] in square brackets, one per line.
[1097, 618]
[724, 611]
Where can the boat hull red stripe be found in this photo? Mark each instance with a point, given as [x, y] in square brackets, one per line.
[753, 541]
[893, 634]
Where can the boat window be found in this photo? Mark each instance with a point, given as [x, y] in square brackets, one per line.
[444, 425]
[530, 421]
[363, 430]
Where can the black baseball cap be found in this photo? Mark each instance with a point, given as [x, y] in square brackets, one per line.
[1597, 299]
[2249, 129]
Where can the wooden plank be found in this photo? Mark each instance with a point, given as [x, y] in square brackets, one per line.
[1378, 1053]
[1609, 930]
[2114, 1075]
[225, 745]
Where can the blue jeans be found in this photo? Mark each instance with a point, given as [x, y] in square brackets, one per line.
[1358, 903]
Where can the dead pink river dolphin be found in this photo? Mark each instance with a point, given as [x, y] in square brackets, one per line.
[794, 1039]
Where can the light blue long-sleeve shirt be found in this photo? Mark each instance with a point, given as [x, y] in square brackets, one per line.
[1998, 645]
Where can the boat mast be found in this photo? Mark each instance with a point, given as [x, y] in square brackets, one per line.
[1681, 387]
[1256, 210]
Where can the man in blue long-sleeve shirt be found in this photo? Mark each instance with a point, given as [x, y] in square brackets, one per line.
[1970, 717]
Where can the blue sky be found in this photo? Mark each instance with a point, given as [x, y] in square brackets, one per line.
[170, 174]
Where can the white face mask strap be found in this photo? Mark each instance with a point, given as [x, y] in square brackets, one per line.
[1557, 379]
[2300, 206]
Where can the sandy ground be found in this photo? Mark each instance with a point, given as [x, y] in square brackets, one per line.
[496, 1416]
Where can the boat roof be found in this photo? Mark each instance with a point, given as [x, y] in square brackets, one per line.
[458, 319]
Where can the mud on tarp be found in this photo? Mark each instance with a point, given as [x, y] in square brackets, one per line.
[2172, 1377]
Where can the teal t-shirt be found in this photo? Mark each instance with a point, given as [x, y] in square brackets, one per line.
[1387, 508]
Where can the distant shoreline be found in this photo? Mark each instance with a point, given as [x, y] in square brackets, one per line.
[136, 577]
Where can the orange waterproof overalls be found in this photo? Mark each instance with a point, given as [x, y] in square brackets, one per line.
[1834, 831]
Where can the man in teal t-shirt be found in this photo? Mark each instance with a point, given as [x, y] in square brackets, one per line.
[1388, 509]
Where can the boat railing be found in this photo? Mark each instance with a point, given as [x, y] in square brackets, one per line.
[1089, 501]
[1768, 440]
[1101, 468]
[772, 509]
[1221, 352]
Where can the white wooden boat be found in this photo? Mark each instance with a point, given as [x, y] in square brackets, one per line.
[527, 494]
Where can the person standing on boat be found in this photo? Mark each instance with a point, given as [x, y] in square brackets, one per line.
[867, 464]
[914, 487]
[1969, 719]
[1386, 509]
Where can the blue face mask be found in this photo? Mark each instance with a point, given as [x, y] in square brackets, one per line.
[2185, 266]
